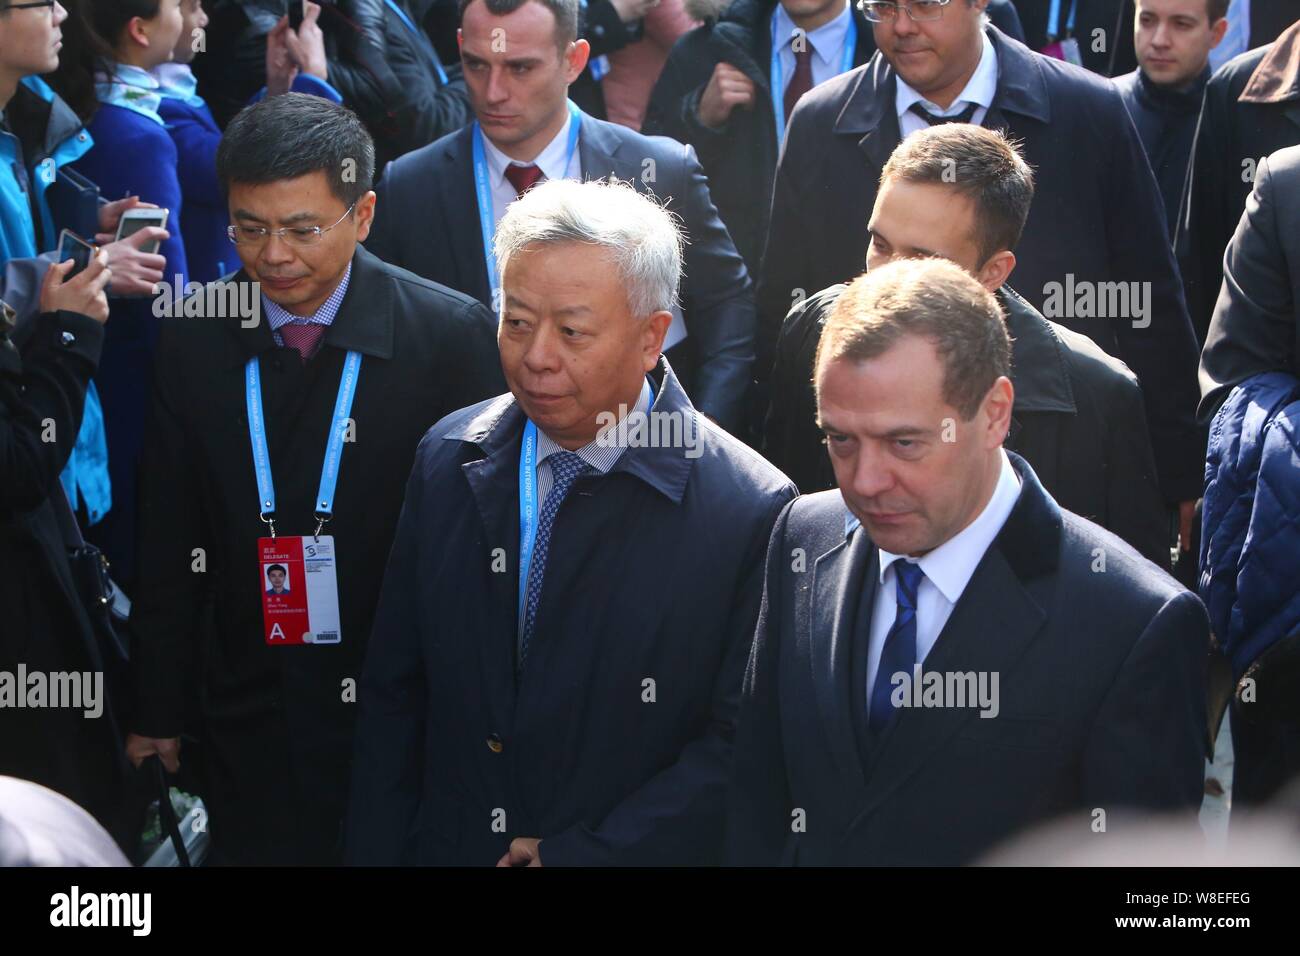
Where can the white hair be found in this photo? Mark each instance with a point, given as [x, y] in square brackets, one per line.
[641, 234]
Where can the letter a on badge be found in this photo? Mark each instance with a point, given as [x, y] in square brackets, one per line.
[277, 633]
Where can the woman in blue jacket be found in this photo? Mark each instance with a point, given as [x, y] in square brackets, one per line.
[114, 44]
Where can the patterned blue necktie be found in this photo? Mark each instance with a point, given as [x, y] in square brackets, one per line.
[899, 653]
[566, 468]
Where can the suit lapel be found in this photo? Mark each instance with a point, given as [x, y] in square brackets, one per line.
[842, 577]
[459, 205]
[597, 151]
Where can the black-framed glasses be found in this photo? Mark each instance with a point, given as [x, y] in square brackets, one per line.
[886, 11]
[294, 235]
[31, 6]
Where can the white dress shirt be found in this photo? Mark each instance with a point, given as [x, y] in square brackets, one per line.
[979, 89]
[948, 569]
[827, 44]
[551, 161]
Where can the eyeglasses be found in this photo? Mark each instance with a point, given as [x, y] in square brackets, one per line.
[30, 6]
[882, 11]
[294, 235]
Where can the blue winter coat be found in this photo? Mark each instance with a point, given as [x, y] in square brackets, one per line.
[1250, 540]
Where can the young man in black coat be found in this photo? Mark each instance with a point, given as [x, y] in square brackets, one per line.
[962, 192]
[331, 320]
[1173, 39]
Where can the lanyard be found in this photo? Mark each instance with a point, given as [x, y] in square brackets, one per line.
[329, 474]
[778, 80]
[486, 214]
[1054, 19]
[528, 503]
[422, 38]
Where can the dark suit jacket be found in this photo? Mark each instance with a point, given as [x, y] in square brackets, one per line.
[1231, 138]
[427, 221]
[1101, 697]
[1256, 324]
[1096, 215]
[277, 723]
[654, 574]
[1078, 420]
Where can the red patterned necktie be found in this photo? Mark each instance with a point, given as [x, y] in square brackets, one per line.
[523, 178]
[305, 337]
[801, 82]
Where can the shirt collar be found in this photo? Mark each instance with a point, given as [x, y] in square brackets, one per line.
[552, 160]
[827, 40]
[980, 88]
[278, 316]
[950, 566]
[603, 451]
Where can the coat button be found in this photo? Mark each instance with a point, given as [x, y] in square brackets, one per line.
[494, 744]
[67, 338]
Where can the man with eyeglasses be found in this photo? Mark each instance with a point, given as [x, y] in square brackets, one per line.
[1095, 253]
[281, 441]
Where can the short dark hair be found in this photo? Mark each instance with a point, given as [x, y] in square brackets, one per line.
[292, 135]
[276, 567]
[565, 12]
[981, 164]
[930, 298]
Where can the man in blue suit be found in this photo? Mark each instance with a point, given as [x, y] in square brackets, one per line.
[944, 656]
[556, 661]
[443, 201]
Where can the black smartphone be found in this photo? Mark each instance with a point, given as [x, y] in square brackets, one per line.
[72, 246]
[296, 10]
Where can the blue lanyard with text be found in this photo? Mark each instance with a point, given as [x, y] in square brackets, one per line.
[1054, 20]
[778, 80]
[420, 35]
[528, 503]
[329, 474]
[483, 189]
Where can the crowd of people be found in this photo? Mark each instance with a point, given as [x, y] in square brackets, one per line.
[881, 418]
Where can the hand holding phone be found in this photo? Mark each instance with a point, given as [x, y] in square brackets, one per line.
[84, 293]
[133, 220]
[72, 246]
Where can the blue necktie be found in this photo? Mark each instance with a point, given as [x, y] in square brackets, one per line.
[899, 653]
[566, 468]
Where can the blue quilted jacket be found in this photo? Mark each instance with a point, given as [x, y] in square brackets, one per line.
[1250, 539]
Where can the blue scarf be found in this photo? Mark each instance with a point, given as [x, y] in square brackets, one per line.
[176, 81]
[131, 88]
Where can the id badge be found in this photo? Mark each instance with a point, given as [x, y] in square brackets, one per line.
[300, 593]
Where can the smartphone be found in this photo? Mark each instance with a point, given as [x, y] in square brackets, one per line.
[297, 8]
[72, 246]
[133, 220]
